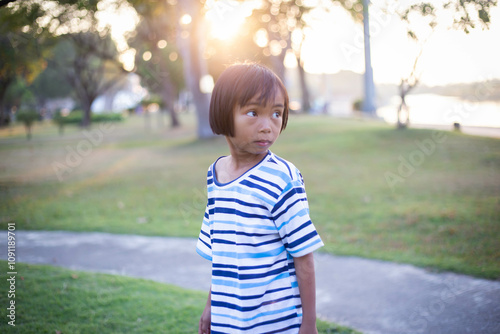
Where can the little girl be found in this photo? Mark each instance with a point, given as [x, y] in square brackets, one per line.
[256, 230]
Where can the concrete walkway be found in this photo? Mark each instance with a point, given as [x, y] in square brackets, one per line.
[370, 296]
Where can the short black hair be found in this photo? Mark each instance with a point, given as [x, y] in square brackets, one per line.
[237, 85]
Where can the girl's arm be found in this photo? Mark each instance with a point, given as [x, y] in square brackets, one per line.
[306, 278]
[204, 326]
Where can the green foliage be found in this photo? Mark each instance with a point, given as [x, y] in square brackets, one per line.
[27, 117]
[325, 327]
[158, 23]
[76, 117]
[20, 55]
[466, 14]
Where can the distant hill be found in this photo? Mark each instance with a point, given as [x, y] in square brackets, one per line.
[482, 91]
[349, 85]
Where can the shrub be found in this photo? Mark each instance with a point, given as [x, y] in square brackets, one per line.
[357, 105]
[27, 117]
[76, 116]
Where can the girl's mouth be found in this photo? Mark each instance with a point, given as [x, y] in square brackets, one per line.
[263, 142]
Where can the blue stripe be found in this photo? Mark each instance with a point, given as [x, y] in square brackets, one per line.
[286, 164]
[263, 314]
[241, 268]
[306, 247]
[238, 285]
[235, 255]
[276, 172]
[235, 200]
[229, 242]
[303, 239]
[240, 233]
[267, 182]
[301, 213]
[232, 274]
[250, 308]
[259, 187]
[232, 295]
[291, 193]
[281, 330]
[205, 256]
[206, 244]
[205, 234]
[262, 227]
[242, 191]
[231, 211]
[206, 222]
[276, 217]
[291, 316]
[298, 229]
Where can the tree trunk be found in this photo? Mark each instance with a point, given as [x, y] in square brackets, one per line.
[4, 84]
[195, 66]
[109, 98]
[403, 124]
[87, 113]
[279, 65]
[169, 96]
[304, 89]
[28, 131]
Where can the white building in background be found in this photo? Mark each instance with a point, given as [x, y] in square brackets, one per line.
[124, 95]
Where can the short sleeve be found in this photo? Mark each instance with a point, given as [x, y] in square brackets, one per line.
[204, 244]
[291, 217]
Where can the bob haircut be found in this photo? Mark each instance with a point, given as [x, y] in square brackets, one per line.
[236, 86]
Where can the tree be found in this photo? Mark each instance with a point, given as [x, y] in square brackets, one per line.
[191, 41]
[188, 37]
[27, 118]
[278, 21]
[157, 61]
[20, 55]
[468, 14]
[90, 66]
[51, 83]
[94, 53]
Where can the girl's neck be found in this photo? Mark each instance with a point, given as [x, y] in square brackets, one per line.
[244, 161]
[232, 167]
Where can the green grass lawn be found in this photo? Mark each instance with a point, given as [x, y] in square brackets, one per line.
[54, 300]
[441, 212]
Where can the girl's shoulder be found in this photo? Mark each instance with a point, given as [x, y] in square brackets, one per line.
[283, 168]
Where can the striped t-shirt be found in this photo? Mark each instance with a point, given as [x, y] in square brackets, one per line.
[252, 228]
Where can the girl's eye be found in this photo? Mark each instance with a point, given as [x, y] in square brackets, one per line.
[277, 114]
[251, 113]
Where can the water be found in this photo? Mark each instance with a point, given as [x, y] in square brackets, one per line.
[434, 109]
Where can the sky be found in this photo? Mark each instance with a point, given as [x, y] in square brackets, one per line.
[448, 56]
[334, 42]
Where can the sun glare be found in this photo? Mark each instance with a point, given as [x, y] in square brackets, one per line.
[225, 17]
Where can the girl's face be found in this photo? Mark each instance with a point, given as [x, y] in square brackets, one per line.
[257, 125]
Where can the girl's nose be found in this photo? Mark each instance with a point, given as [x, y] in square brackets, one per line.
[265, 125]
